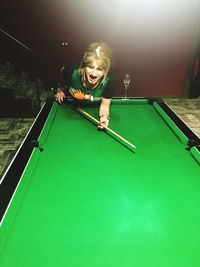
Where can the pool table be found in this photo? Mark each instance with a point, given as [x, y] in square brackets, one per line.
[77, 196]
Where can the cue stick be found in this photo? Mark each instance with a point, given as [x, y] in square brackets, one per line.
[91, 117]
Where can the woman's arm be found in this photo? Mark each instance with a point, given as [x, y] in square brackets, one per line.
[104, 111]
[59, 97]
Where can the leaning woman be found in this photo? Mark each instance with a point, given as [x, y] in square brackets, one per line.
[90, 81]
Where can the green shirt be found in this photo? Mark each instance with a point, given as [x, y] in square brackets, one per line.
[71, 77]
[76, 84]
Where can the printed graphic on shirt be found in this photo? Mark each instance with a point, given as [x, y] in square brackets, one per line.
[78, 94]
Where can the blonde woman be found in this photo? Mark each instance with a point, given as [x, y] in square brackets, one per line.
[91, 81]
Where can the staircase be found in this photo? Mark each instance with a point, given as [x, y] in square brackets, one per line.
[18, 93]
[15, 107]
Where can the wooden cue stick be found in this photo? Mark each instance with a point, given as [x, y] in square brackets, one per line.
[91, 117]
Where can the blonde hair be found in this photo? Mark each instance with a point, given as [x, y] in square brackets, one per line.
[99, 52]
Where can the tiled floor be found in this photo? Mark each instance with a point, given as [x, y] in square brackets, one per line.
[13, 131]
[188, 110]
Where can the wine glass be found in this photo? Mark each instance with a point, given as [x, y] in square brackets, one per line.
[126, 80]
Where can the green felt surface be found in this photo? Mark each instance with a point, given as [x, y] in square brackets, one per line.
[89, 200]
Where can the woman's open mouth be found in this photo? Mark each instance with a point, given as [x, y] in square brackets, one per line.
[92, 78]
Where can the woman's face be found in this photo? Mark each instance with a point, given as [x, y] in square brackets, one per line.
[93, 72]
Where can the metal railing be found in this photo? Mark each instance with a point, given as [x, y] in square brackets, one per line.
[10, 39]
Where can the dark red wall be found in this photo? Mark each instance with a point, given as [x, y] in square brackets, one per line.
[151, 39]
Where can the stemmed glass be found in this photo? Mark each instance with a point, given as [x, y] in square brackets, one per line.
[126, 80]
